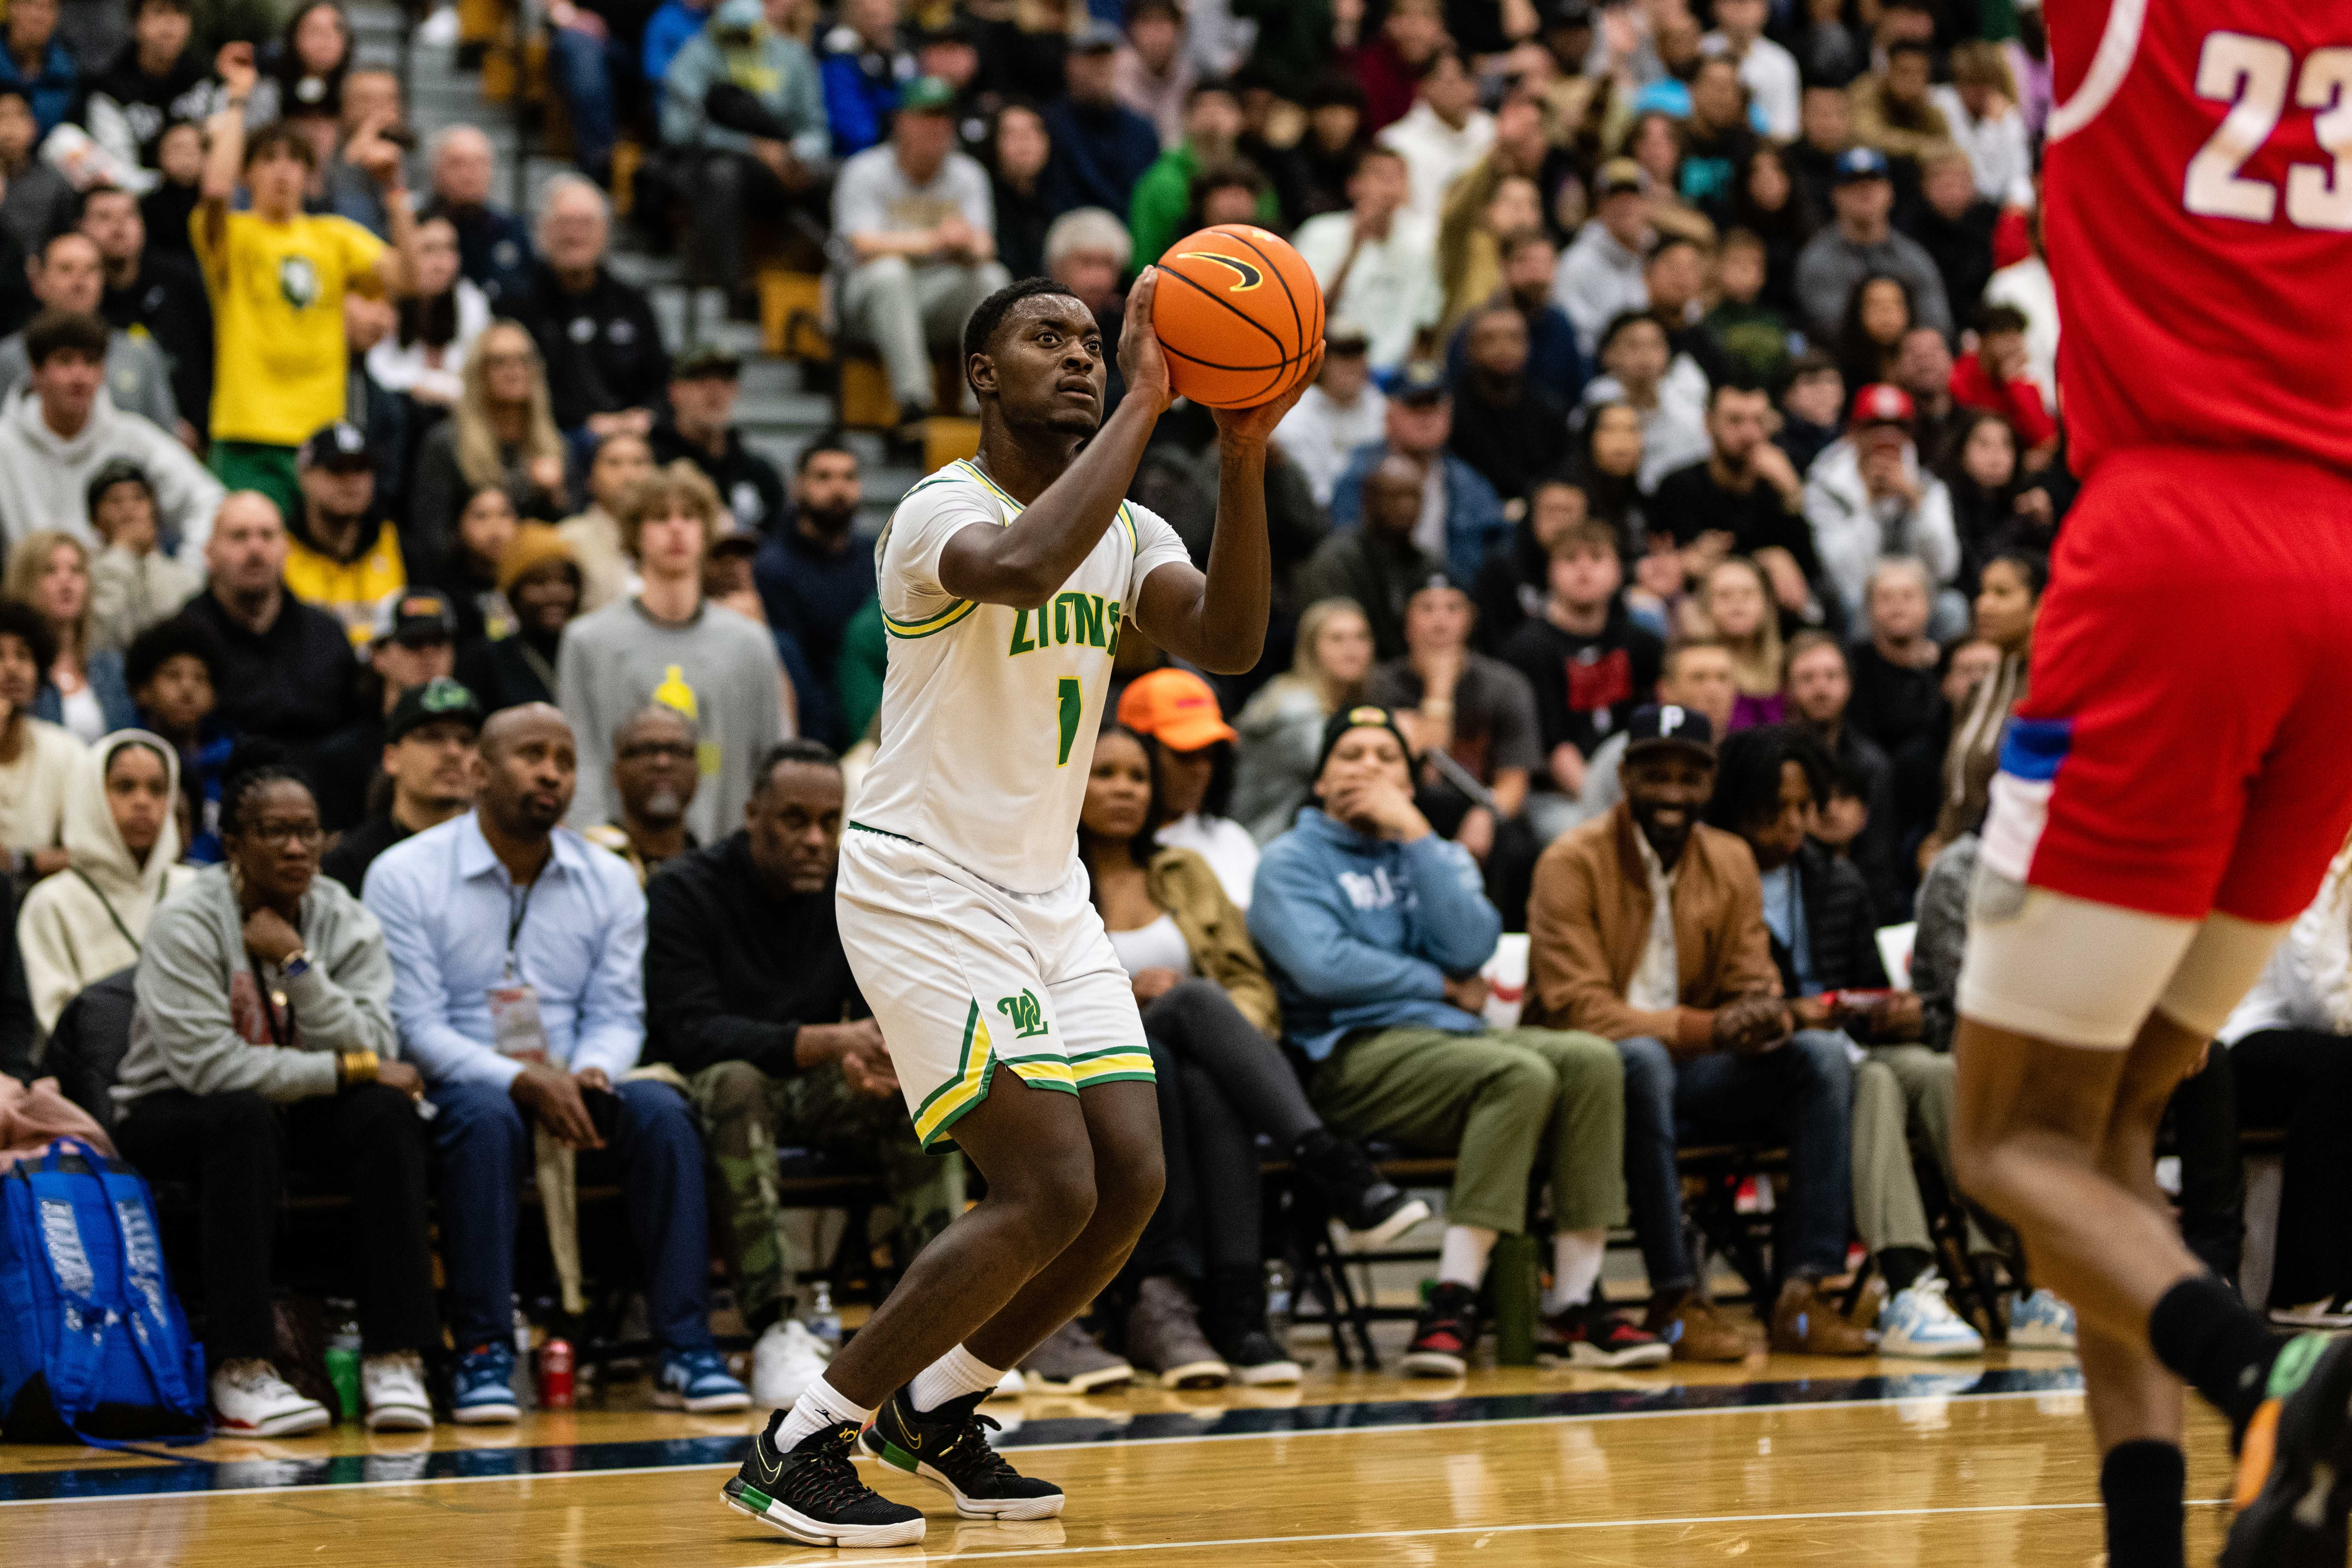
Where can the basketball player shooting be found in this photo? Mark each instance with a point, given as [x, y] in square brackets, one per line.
[965, 912]
[2166, 803]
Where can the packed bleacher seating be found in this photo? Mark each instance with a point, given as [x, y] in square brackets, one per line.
[439, 468]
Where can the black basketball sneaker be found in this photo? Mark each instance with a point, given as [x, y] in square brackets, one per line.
[949, 1448]
[812, 1492]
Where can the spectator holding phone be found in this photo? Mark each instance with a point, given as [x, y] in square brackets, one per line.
[519, 953]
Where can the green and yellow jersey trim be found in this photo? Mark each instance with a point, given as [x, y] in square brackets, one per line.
[962, 608]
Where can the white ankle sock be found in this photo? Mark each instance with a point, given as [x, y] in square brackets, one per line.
[951, 1377]
[1576, 1257]
[1462, 1256]
[819, 1406]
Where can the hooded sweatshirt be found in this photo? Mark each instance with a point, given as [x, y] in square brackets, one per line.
[44, 477]
[1362, 933]
[81, 926]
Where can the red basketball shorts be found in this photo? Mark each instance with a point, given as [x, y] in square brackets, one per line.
[2186, 743]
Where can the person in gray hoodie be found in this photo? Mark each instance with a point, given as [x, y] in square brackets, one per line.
[62, 426]
[1374, 929]
[262, 1040]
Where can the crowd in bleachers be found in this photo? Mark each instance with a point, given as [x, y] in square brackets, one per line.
[417, 688]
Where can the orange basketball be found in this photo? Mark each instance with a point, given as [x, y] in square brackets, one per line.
[1238, 312]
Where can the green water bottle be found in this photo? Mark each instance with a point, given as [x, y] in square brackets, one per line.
[342, 1360]
[1512, 1273]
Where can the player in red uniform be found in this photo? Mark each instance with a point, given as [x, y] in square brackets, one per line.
[2174, 785]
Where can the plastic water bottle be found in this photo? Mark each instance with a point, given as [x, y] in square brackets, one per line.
[822, 1321]
[342, 1358]
[1278, 1290]
[525, 1386]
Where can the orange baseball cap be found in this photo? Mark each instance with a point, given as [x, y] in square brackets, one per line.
[1176, 707]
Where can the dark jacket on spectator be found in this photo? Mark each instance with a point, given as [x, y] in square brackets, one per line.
[16, 1026]
[128, 108]
[1355, 565]
[1960, 248]
[749, 485]
[349, 860]
[1896, 707]
[1865, 772]
[602, 348]
[1022, 220]
[811, 592]
[1841, 927]
[493, 250]
[1509, 443]
[293, 682]
[1100, 152]
[168, 302]
[732, 971]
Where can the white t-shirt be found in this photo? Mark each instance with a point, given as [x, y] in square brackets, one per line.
[1392, 289]
[1224, 843]
[33, 788]
[1160, 945]
[988, 713]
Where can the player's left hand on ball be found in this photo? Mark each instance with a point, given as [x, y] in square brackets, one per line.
[1245, 425]
[1142, 364]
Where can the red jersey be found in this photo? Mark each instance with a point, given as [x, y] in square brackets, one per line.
[2198, 218]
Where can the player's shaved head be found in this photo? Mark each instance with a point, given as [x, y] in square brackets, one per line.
[980, 333]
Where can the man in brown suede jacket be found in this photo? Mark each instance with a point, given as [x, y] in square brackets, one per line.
[1710, 1048]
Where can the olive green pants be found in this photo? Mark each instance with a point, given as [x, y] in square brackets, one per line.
[746, 1114]
[1900, 1088]
[1504, 1103]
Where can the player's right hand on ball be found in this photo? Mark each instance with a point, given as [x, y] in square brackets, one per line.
[1140, 362]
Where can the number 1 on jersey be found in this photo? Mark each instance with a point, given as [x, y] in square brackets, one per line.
[1072, 704]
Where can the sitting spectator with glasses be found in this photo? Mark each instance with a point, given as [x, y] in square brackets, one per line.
[263, 1043]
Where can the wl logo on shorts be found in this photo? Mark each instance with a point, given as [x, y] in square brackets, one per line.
[1028, 1017]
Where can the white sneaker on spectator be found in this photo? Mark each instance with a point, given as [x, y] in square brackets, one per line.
[439, 31]
[1012, 1385]
[786, 1359]
[392, 1388]
[2040, 1322]
[1918, 1321]
[251, 1400]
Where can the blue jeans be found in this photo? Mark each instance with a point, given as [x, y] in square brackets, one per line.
[482, 1144]
[587, 73]
[1801, 1094]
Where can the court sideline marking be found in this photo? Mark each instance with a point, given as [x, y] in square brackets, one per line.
[528, 1475]
[1490, 1529]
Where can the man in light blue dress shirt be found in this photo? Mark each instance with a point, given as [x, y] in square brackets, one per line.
[517, 950]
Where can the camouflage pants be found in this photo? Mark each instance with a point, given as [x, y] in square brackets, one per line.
[746, 1115]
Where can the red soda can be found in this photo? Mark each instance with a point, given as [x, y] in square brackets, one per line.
[555, 1375]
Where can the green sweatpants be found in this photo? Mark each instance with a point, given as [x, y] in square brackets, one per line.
[1897, 1090]
[1499, 1102]
[745, 1113]
[255, 466]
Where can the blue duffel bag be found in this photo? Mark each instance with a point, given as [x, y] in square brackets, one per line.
[93, 1345]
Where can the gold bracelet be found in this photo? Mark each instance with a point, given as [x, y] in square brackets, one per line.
[356, 1067]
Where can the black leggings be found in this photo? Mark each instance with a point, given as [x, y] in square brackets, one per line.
[236, 1148]
[2300, 1081]
[1221, 1084]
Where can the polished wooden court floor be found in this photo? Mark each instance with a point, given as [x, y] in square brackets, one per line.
[1955, 1465]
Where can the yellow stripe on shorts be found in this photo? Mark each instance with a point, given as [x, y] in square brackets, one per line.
[1045, 1072]
[967, 1089]
[1116, 1065]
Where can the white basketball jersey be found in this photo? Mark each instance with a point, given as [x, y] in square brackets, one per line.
[988, 713]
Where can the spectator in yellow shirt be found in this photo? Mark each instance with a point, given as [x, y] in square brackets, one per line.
[277, 277]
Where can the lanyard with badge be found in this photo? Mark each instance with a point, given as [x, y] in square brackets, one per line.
[515, 1028]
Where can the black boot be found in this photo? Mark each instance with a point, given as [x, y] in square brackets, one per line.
[1232, 1315]
[1364, 1205]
